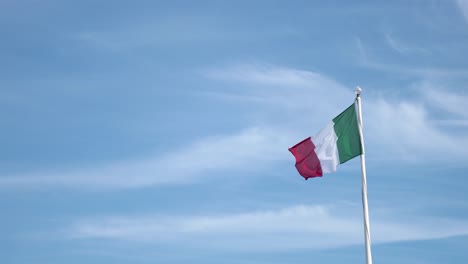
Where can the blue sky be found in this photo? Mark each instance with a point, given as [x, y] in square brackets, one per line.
[157, 132]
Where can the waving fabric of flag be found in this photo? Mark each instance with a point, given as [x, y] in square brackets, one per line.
[337, 143]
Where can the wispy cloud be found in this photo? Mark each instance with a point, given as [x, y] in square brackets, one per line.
[285, 100]
[361, 50]
[367, 60]
[448, 101]
[402, 48]
[295, 227]
[403, 129]
[265, 74]
[395, 45]
[463, 6]
[173, 31]
[251, 148]
[394, 125]
[284, 89]
[155, 33]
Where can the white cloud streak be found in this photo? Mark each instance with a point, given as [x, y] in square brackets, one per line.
[395, 45]
[285, 91]
[178, 30]
[463, 6]
[302, 102]
[400, 128]
[447, 101]
[251, 148]
[295, 227]
[165, 31]
[364, 59]
[403, 48]
[406, 133]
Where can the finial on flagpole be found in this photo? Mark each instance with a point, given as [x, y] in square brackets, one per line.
[358, 90]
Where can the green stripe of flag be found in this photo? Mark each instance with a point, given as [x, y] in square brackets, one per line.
[347, 132]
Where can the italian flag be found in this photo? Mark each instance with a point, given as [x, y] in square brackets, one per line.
[336, 143]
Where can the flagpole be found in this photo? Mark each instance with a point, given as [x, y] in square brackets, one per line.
[365, 207]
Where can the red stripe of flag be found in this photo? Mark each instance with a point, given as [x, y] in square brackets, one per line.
[307, 162]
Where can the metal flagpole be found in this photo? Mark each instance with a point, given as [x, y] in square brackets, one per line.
[365, 207]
